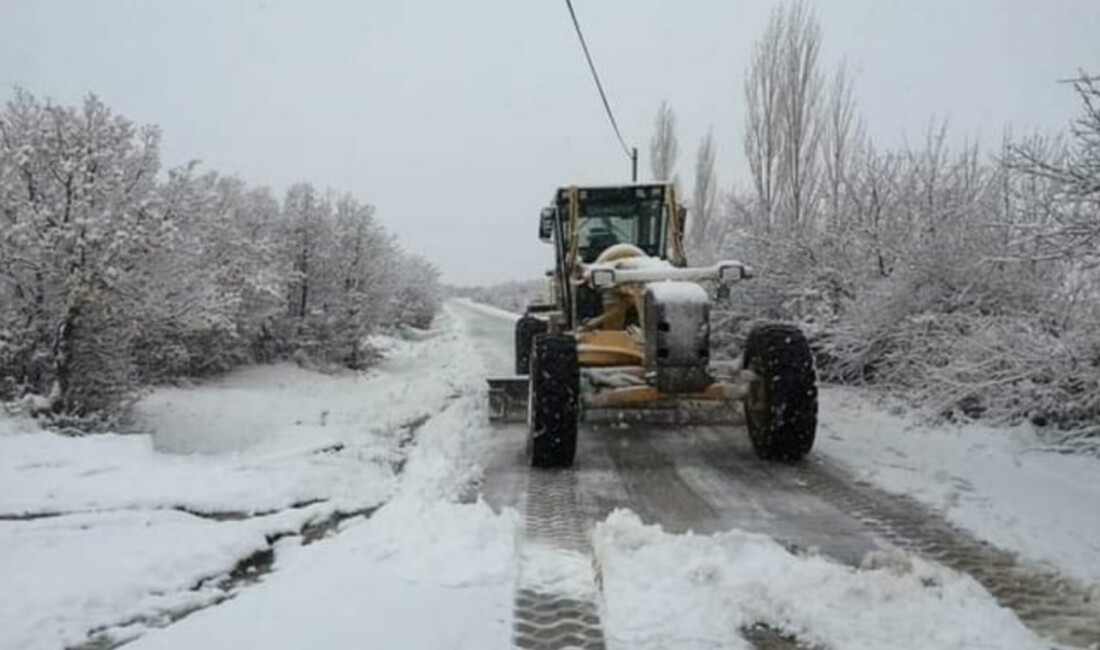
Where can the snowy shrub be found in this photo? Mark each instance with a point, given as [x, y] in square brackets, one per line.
[966, 283]
[111, 278]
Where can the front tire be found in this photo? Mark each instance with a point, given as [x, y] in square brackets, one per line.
[553, 407]
[781, 408]
[527, 327]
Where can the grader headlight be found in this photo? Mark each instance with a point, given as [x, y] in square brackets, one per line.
[602, 278]
[733, 272]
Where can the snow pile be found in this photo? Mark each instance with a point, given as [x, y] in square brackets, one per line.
[994, 482]
[691, 591]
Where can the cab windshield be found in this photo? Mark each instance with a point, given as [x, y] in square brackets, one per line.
[603, 225]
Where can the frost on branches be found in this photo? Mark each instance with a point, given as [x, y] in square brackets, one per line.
[967, 282]
[114, 274]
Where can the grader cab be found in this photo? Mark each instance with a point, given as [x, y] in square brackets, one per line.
[625, 335]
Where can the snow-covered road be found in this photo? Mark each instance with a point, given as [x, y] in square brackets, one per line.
[382, 510]
[705, 485]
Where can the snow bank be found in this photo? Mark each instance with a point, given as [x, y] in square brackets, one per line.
[694, 591]
[994, 482]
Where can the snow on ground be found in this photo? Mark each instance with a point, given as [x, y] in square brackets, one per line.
[425, 571]
[46, 473]
[995, 482]
[490, 310]
[65, 575]
[135, 532]
[113, 531]
[415, 575]
[698, 591]
[283, 406]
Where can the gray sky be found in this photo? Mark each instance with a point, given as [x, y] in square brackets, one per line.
[458, 119]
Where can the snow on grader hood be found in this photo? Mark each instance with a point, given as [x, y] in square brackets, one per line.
[625, 336]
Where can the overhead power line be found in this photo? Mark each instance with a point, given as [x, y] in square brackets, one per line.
[599, 86]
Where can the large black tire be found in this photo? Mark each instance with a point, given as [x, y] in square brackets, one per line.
[527, 327]
[781, 408]
[553, 404]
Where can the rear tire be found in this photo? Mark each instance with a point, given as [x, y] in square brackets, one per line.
[553, 407]
[781, 408]
[527, 327]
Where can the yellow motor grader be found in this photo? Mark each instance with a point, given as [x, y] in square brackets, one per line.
[625, 335]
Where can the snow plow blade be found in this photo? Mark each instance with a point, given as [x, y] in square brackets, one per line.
[679, 414]
[508, 399]
[720, 404]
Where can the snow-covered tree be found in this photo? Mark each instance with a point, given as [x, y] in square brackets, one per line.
[664, 145]
[1070, 227]
[112, 275]
[704, 230]
[81, 225]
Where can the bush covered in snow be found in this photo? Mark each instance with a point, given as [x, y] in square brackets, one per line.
[968, 283]
[113, 275]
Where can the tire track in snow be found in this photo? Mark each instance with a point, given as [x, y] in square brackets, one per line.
[1052, 605]
[556, 598]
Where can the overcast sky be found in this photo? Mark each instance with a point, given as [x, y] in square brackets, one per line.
[458, 119]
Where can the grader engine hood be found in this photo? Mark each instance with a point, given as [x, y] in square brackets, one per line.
[669, 332]
[677, 336]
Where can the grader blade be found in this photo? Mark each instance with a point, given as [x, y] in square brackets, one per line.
[680, 414]
[508, 399]
[720, 403]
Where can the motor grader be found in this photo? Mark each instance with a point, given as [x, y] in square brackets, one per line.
[625, 336]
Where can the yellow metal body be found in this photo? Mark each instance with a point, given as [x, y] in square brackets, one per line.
[603, 348]
[606, 341]
[614, 341]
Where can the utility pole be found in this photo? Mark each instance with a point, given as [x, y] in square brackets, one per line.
[634, 165]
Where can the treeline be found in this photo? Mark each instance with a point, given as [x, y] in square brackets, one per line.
[114, 275]
[965, 280]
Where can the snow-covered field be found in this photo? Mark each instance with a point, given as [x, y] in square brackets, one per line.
[117, 535]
